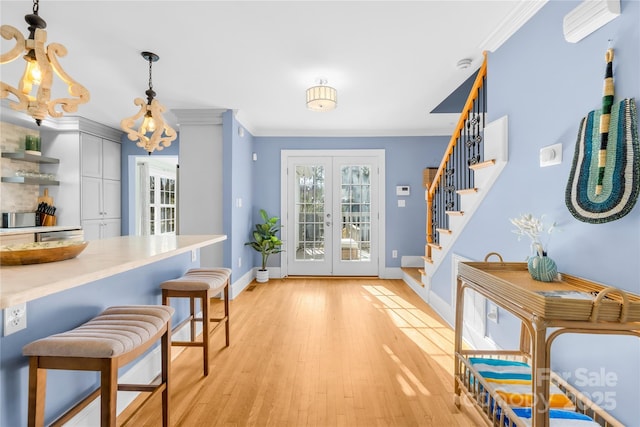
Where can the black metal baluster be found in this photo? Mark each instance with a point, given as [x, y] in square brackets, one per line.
[456, 175]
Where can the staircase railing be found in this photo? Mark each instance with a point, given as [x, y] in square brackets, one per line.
[455, 174]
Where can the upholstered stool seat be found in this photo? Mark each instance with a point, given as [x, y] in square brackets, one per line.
[202, 284]
[110, 340]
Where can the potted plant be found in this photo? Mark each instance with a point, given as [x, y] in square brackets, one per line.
[266, 242]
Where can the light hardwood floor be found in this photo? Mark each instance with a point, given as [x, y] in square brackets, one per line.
[319, 352]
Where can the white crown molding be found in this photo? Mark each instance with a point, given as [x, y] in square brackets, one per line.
[59, 124]
[317, 133]
[511, 23]
[200, 116]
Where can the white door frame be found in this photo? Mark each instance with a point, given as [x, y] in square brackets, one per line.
[380, 154]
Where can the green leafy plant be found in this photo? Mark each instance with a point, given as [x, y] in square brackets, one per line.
[265, 239]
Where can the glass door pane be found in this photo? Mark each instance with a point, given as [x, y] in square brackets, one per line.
[355, 205]
[356, 233]
[309, 208]
[308, 247]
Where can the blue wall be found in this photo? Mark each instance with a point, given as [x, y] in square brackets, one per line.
[237, 183]
[405, 157]
[546, 85]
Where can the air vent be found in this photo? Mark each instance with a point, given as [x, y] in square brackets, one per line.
[588, 17]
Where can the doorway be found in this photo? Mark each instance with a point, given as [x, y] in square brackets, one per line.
[331, 212]
[156, 204]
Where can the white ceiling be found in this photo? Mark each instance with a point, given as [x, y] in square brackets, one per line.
[392, 62]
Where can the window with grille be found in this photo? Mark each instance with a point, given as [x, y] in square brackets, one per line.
[162, 205]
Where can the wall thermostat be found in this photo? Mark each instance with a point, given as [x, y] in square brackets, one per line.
[403, 190]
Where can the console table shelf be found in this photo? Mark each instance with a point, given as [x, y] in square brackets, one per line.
[547, 310]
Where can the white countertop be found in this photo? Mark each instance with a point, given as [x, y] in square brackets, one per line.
[100, 259]
[29, 230]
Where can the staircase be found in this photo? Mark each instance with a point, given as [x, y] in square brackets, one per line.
[475, 157]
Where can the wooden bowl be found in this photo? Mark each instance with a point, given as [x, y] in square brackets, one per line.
[38, 253]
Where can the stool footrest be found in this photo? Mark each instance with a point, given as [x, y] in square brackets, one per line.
[186, 343]
[148, 388]
[64, 418]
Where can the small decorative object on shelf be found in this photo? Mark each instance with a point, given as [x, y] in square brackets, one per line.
[32, 145]
[540, 266]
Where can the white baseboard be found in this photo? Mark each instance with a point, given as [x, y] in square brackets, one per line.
[391, 273]
[241, 284]
[442, 307]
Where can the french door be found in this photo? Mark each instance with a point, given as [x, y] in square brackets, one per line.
[332, 215]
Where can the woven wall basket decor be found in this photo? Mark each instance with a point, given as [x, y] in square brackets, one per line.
[605, 175]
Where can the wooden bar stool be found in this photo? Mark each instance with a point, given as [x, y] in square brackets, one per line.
[105, 343]
[202, 284]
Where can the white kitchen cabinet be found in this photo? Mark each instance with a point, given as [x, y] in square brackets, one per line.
[111, 160]
[81, 149]
[92, 229]
[95, 229]
[91, 155]
[100, 198]
[101, 187]
[91, 198]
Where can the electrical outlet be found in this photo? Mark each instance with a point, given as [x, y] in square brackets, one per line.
[15, 318]
[394, 254]
[194, 255]
[239, 261]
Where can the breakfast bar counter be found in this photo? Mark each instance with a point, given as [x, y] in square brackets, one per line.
[59, 296]
[100, 259]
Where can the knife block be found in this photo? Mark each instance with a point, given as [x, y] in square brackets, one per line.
[47, 220]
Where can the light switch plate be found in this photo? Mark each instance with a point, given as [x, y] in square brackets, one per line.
[551, 155]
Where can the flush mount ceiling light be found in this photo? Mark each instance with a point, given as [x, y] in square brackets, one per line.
[154, 133]
[322, 97]
[41, 61]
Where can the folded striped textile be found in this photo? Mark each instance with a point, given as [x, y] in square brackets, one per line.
[511, 381]
[558, 418]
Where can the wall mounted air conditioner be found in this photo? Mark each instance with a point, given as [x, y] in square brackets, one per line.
[588, 17]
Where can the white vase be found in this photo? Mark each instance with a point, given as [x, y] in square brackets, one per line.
[262, 276]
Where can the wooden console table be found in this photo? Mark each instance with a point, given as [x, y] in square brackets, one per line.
[569, 305]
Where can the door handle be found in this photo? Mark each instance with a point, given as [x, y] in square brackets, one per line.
[328, 223]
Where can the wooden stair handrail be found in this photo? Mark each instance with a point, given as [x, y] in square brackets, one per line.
[482, 73]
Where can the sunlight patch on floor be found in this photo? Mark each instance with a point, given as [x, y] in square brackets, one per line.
[404, 386]
[429, 333]
[407, 372]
